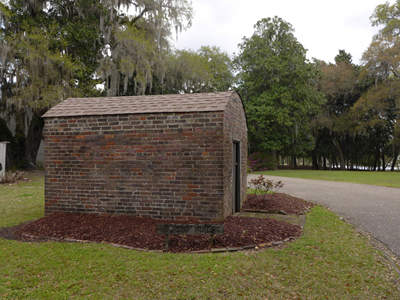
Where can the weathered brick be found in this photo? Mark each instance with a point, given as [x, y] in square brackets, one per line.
[173, 165]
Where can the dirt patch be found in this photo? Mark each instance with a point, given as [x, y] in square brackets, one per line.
[8, 233]
[299, 220]
[138, 232]
[276, 203]
[11, 233]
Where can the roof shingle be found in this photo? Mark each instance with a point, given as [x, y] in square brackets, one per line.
[141, 104]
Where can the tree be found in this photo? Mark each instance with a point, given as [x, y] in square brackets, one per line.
[34, 75]
[219, 67]
[206, 70]
[381, 104]
[343, 57]
[278, 85]
[375, 113]
[54, 49]
[135, 47]
[339, 84]
[382, 58]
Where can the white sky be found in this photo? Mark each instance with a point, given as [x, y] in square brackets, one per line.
[323, 27]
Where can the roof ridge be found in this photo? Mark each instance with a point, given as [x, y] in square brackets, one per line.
[154, 96]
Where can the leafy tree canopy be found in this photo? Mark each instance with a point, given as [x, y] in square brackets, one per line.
[206, 70]
[278, 85]
[343, 57]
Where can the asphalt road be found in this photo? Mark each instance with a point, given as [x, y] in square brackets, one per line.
[373, 209]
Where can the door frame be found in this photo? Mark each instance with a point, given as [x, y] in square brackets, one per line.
[236, 176]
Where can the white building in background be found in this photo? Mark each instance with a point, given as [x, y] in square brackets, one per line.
[3, 150]
[12, 125]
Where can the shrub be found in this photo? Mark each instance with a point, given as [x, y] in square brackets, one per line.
[262, 185]
[260, 161]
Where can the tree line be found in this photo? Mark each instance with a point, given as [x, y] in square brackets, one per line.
[336, 115]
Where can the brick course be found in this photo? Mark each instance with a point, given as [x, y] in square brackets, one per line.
[163, 165]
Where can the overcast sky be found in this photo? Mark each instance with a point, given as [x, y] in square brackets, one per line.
[323, 27]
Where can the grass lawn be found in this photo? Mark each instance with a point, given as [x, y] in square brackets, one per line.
[329, 261]
[390, 179]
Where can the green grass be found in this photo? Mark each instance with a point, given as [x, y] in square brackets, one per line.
[21, 202]
[390, 179]
[329, 261]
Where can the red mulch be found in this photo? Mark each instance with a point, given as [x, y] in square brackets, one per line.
[277, 203]
[140, 232]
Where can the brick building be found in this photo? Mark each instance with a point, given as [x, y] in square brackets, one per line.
[167, 156]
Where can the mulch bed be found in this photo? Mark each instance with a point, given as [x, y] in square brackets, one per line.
[138, 232]
[276, 203]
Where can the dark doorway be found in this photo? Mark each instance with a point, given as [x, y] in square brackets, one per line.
[236, 176]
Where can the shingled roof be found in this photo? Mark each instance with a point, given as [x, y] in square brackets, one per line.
[141, 104]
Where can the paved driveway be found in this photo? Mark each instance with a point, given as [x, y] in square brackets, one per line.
[373, 209]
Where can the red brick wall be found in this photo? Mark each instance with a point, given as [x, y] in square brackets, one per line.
[235, 129]
[166, 166]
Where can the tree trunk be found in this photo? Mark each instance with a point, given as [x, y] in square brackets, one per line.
[376, 161]
[33, 139]
[294, 162]
[314, 161]
[340, 152]
[275, 155]
[334, 161]
[18, 148]
[383, 161]
[396, 155]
